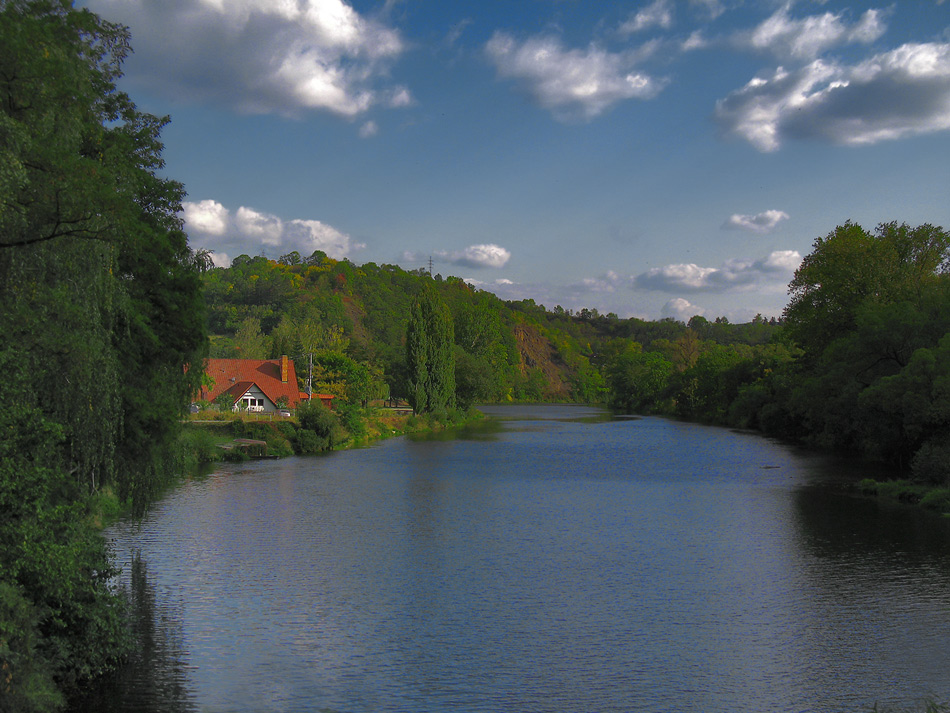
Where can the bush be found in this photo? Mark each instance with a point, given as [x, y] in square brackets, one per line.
[27, 682]
[351, 418]
[59, 618]
[199, 446]
[937, 499]
[931, 463]
[309, 443]
[316, 417]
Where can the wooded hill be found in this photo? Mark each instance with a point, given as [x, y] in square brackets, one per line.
[352, 319]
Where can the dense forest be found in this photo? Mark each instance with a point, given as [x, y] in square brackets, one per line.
[106, 311]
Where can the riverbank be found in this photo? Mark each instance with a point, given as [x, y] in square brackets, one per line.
[212, 437]
[930, 497]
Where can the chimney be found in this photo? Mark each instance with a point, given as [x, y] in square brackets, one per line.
[284, 368]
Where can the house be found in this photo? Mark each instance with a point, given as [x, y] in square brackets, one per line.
[255, 384]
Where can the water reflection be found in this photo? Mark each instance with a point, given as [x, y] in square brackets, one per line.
[570, 564]
[876, 579]
[156, 666]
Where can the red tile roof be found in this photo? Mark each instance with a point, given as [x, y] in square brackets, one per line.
[236, 376]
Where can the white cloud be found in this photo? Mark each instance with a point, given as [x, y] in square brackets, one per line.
[369, 129]
[712, 8]
[253, 232]
[786, 261]
[806, 38]
[400, 97]
[306, 236]
[657, 14]
[482, 284]
[259, 56]
[570, 83]
[764, 222]
[207, 217]
[695, 41]
[680, 309]
[604, 284]
[269, 229]
[489, 255]
[892, 95]
[773, 270]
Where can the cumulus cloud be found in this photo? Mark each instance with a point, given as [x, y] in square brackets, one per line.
[764, 222]
[207, 217]
[680, 309]
[657, 14]
[260, 56]
[773, 270]
[489, 255]
[892, 95]
[569, 82]
[269, 229]
[806, 38]
[212, 226]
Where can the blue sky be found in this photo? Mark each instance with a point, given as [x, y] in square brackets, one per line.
[652, 159]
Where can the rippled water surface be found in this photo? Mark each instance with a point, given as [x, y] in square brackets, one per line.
[560, 562]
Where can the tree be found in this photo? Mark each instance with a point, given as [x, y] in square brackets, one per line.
[637, 379]
[101, 292]
[249, 341]
[850, 266]
[430, 358]
[103, 325]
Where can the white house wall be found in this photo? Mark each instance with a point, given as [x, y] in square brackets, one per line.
[264, 403]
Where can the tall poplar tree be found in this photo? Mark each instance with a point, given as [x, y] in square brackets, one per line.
[430, 355]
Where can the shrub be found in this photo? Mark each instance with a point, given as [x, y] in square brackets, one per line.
[199, 446]
[309, 443]
[937, 499]
[931, 463]
[351, 418]
[316, 417]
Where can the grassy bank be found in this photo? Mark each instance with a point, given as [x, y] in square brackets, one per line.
[931, 497]
[210, 436]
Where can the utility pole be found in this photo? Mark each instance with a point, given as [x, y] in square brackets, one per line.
[310, 378]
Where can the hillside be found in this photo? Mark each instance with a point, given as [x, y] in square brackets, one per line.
[353, 318]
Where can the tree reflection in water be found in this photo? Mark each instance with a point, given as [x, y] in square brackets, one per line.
[154, 678]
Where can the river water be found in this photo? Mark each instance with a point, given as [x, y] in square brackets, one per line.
[560, 561]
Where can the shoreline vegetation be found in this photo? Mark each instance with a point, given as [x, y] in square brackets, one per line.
[106, 309]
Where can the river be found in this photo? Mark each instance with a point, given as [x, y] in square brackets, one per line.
[559, 560]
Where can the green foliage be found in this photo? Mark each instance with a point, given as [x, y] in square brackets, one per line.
[474, 380]
[101, 293]
[351, 416]
[638, 379]
[63, 621]
[200, 446]
[321, 421]
[26, 677]
[102, 311]
[429, 354]
[249, 342]
[850, 267]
